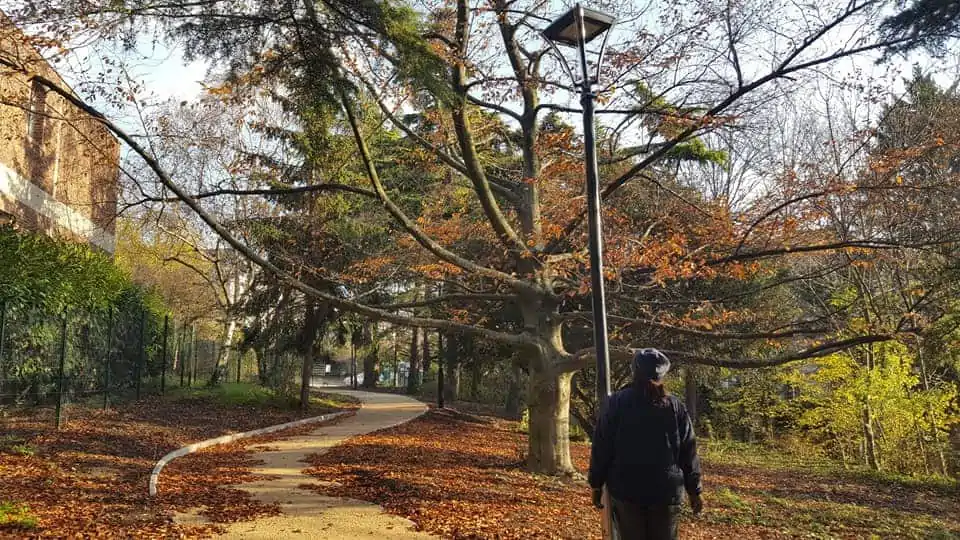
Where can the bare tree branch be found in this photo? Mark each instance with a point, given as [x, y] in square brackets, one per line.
[282, 276]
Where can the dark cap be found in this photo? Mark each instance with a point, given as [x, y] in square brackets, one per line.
[650, 364]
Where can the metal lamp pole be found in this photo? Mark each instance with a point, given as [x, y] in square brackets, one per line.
[594, 222]
[575, 29]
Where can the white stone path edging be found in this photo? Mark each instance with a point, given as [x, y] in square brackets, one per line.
[189, 449]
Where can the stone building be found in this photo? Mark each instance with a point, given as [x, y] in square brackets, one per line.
[58, 166]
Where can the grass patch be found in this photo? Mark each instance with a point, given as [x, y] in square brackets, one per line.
[16, 516]
[13, 444]
[341, 401]
[811, 462]
[802, 493]
[253, 395]
[724, 497]
[231, 394]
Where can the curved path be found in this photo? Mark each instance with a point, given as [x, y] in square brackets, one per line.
[307, 514]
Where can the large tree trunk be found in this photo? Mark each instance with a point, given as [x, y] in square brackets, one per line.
[370, 371]
[548, 397]
[549, 432]
[413, 374]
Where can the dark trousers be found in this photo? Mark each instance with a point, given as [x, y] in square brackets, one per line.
[642, 522]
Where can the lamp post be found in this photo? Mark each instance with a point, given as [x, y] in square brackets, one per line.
[575, 29]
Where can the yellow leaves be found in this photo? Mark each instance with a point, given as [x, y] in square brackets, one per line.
[224, 89]
[368, 269]
[438, 270]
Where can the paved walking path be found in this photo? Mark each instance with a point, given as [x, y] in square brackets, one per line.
[307, 514]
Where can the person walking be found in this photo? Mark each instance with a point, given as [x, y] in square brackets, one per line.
[645, 453]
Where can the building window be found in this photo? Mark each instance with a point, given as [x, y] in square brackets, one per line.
[36, 115]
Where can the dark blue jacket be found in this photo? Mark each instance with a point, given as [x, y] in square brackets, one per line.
[645, 453]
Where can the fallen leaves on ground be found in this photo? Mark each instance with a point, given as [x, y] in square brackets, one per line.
[461, 476]
[205, 480]
[90, 478]
[457, 477]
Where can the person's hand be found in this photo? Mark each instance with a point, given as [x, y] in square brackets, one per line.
[696, 504]
[598, 499]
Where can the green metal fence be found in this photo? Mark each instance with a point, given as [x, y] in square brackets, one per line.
[97, 358]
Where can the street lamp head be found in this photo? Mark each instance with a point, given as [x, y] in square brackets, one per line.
[566, 30]
[575, 29]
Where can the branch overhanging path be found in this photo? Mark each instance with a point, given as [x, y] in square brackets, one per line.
[387, 313]
[246, 251]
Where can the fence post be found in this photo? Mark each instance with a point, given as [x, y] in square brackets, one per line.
[353, 363]
[215, 350]
[183, 352]
[142, 360]
[3, 332]
[190, 358]
[193, 365]
[163, 354]
[106, 362]
[62, 369]
[3, 328]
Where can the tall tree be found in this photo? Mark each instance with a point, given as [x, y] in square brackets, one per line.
[494, 177]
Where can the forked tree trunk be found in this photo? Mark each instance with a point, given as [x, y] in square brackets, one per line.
[548, 449]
